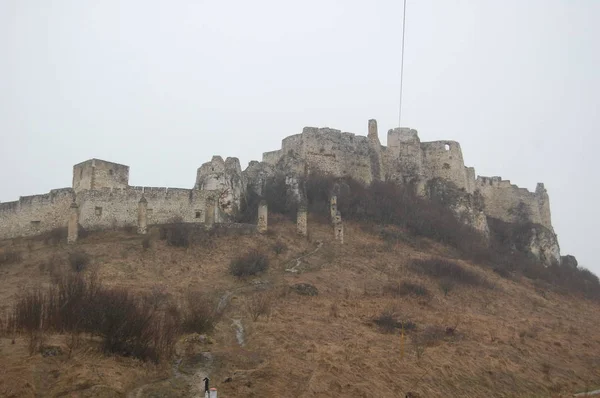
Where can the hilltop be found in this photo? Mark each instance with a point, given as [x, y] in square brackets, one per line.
[464, 337]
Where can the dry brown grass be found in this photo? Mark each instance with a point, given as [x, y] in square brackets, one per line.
[507, 341]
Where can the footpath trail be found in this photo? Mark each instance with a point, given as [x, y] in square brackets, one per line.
[188, 372]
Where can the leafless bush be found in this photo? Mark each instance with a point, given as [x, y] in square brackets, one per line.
[199, 312]
[146, 242]
[446, 286]
[279, 247]
[55, 236]
[334, 310]
[396, 289]
[388, 322]
[176, 234]
[449, 271]
[158, 296]
[251, 263]
[259, 304]
[10, 257]
[79, 260]
[128, 324]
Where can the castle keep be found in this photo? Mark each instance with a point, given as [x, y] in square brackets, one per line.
[102, 197]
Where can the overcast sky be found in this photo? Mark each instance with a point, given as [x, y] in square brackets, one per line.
[163, 85]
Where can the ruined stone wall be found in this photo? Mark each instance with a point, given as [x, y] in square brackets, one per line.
[329, 151]
[403, 158]
[406, 160]
[36, 214]
[510, 203]
[444, 159]
[97, 174]
[111, 208]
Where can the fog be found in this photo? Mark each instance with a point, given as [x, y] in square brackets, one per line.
[162, 86]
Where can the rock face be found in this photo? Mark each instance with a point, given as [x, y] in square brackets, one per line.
[543, 244]
[568, 261]
[226, 179]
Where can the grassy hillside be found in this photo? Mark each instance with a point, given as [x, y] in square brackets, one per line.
[467, 331]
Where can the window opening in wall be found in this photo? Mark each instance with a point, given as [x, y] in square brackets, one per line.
[198, 213]
[35, 223]
[447, 147]
[98, 211]
[111, 172]
[446, 166]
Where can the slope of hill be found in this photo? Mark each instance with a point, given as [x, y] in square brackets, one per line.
[380, 324]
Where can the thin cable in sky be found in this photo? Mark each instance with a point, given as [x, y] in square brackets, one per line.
[402, 65]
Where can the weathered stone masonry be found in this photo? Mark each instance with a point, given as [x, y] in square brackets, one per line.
[104, 198]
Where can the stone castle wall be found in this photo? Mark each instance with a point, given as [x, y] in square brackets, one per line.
[406, 160]
[508, 202]
[110, 208]
[329, 151]
[105, 200]
[96, 174]
[36, 214]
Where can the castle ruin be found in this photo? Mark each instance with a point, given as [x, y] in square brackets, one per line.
[102, 198]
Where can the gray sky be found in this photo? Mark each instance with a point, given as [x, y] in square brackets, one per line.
[163, 85]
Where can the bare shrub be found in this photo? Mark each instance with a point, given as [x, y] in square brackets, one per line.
[10, 257]
[251, 263]
[446, 286]
[146, 242]
[278, 197]
[28, 311]
[55, 236]
[334, 310]
[449, 271]
[199, 312]
[259, 304]
[127, 324]
[388, 322]
[249, 208]
[279, 247]
[396, 289]
[79, 260]
[176, 234]
[158, 296]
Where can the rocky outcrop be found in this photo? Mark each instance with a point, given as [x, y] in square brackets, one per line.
[226, 179]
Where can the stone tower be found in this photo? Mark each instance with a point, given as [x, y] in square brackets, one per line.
[95, 174]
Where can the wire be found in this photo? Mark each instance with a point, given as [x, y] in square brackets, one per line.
[402, 65]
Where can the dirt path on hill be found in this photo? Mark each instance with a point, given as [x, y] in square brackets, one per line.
[188, 372]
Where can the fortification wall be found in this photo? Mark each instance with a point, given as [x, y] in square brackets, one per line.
[329, 151]
[113, 208]
[83, 175]
[36, 214]
[510, 203]
[444, 159]
[403, 158]
[97, 174]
